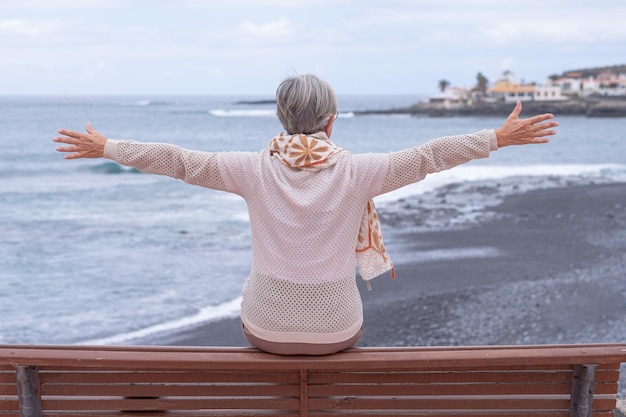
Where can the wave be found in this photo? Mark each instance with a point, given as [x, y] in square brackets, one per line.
[113, 168]
[225, 310]
[543, 173]
[152, 103]
[258, 113]
[243, 113]
[459, 197]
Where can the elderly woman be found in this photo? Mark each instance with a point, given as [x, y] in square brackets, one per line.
[311, 213]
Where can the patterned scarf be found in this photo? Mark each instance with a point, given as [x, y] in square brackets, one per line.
[314, 152]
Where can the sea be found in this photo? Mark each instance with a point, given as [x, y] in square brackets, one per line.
[92, 252]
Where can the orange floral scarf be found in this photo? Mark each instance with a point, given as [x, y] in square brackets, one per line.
[314, 151]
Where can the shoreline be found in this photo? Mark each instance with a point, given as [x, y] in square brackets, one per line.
[546, 268]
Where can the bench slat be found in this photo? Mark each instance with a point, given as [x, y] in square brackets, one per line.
[426, 377]
[173, 403]
[174, 413]
[356, 358]
[440, 389]
[8, 389]
[156, 390]
[7, 376]
[9, 403]
[450, 403]
[78, 376]
[436, 403]
[565, 376]
[453, 413]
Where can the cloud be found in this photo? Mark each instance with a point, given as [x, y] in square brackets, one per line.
[278, 28]
[255, 3]
[507, 64]
[20, 27]
[393, 45]
[58, 4]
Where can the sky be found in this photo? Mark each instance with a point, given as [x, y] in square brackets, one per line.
[246, 47]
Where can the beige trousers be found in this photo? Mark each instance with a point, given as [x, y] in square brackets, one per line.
[280, 348]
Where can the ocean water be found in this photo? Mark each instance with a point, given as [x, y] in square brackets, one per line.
[92, 252]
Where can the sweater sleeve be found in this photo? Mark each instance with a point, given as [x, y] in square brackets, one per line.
[194, 167]
[413, 164]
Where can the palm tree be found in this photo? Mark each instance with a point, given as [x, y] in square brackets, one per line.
[483, 82]
[554, 78]
[443, 84]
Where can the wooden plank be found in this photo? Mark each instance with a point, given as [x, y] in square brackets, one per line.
[367, 389]
[606, 388]
[7, 377]
[77, 376]
[158, 390]
[356, 358]
[315, 377]
[9, 404]
[8, 389]
[607, 376]
[182, 349]
[447, 406]
[448, 413]
[604, 402]
[444, 405]
[171, 403]
[611, 366]
[174, 413]
[564, 377]
[437, 403]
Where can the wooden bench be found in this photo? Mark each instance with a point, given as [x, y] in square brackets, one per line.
[539, 381]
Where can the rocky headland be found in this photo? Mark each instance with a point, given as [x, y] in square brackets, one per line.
[590, 107]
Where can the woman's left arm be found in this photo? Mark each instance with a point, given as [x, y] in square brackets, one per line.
[413, 164]
[82, 145]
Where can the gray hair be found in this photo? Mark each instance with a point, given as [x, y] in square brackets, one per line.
[305, 104]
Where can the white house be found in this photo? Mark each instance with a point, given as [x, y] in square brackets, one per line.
[548, 92]
[450, 98]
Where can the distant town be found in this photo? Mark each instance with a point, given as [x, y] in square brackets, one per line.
[593, 92]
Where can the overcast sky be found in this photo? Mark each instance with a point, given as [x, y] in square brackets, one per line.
[151, 47]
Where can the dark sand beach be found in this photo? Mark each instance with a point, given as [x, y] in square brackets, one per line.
[547, 266]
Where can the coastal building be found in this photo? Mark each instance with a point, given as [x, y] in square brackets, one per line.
[605, 81]
[509, 89]
[548, 92]
[608, 82]
[450, 98]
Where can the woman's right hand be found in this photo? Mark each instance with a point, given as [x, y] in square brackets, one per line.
[83, 145]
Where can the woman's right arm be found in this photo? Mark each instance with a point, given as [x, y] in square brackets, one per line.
[193, 167]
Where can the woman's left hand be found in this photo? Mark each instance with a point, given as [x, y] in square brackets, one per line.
[534, 130]
[83, 145]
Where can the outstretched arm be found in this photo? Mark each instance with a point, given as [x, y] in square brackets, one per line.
[516, 131]
[194, 167]
[413, 164]
[83, 145]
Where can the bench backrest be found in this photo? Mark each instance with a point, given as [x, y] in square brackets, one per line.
[575, 380]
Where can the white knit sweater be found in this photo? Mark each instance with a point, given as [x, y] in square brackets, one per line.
[304, 223]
